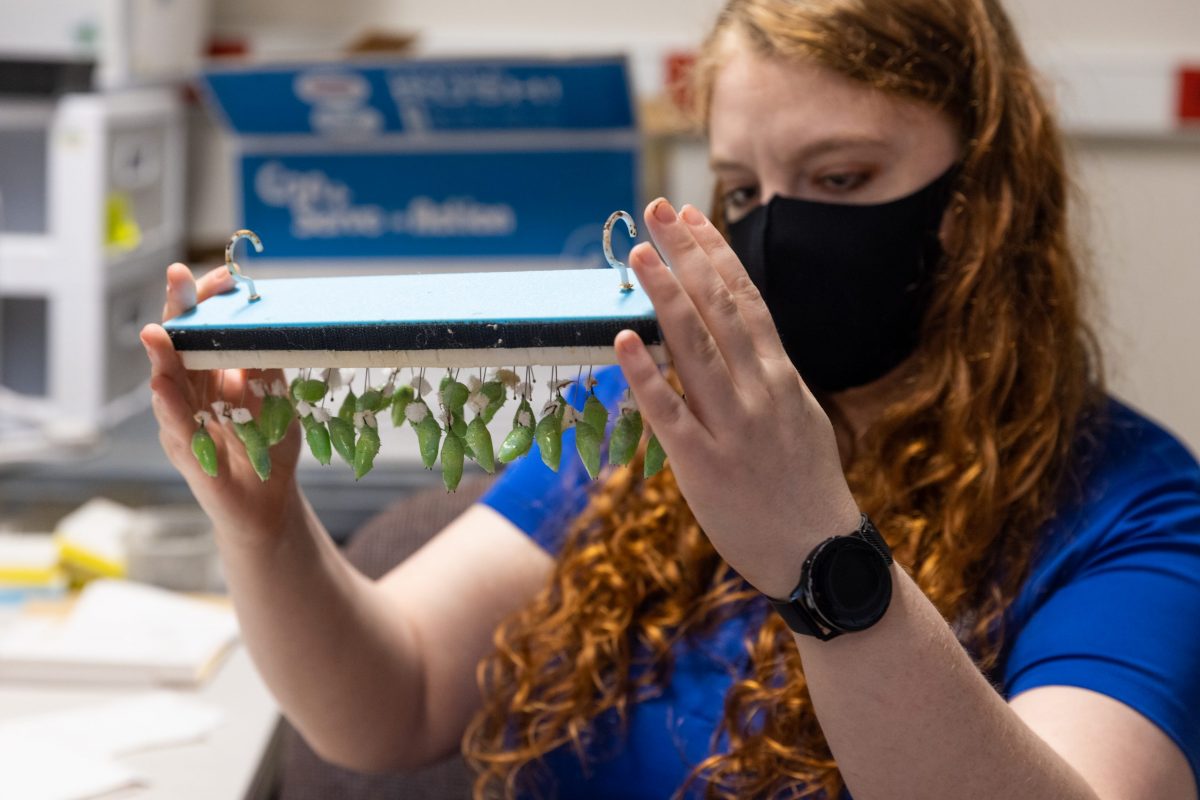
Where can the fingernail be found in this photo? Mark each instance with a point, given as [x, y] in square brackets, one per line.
[663, 212]
[627, 344]
[692, 216]
[643, 257]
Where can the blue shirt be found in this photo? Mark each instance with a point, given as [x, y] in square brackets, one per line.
[1112, 604]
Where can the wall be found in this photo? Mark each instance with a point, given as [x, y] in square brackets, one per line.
[1140, 199]
[1122, 24]
[1143, 228]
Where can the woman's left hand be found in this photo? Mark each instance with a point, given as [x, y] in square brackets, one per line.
[753, 452]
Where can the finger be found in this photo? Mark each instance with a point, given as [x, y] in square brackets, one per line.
[707, 289]
[171, 409]
[698, 360]
[754, 312]
[176, 453]
[677, 428]
[164, 361]
[184, 291]
[214, 282]
[233, 386]
[181, 291]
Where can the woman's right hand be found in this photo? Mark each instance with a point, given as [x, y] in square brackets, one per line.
[236, 500]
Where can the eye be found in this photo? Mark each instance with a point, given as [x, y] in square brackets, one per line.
[842, 182]
[737, 202]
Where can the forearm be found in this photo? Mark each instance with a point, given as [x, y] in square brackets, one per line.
[907, 714]
[341, 666]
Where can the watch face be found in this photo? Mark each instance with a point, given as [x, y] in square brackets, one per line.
[851, 586]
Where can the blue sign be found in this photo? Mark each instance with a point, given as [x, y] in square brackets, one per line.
[436, 205]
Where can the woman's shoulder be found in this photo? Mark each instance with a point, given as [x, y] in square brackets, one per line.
[1128, 444]
[1137, 488]
[1132, 470]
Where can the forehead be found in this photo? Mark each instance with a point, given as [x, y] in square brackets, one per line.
[763, 108]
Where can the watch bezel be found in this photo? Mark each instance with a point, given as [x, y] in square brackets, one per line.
[820, 585]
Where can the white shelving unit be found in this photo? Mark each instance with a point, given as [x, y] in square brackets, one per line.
[62, 162]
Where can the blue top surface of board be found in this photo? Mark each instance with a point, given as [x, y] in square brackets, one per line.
[500, 297]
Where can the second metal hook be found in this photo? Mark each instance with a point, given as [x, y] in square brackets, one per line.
[234, 269]
[613, 261]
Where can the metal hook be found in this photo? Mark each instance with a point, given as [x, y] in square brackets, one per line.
[234, 269]
[613, 261]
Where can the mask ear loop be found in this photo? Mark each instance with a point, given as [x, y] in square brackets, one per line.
[613, 261]
[236, 270]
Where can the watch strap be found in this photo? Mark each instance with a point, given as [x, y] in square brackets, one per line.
[800, 619]
[870, 534]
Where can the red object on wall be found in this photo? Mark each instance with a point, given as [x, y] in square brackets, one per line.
[679, 78]
[227, 47]
[1189, 95]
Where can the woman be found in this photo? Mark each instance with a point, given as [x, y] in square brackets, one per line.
[894, 188]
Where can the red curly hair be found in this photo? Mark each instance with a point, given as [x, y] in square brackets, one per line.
[960, 473]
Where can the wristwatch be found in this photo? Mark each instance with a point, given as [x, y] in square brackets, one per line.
[845, 585]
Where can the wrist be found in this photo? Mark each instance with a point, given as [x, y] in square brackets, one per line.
[778, 577]
[266, 525]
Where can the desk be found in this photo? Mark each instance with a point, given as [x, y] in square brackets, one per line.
[235, 761]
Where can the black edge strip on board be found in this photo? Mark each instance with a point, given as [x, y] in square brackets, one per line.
[417, 336]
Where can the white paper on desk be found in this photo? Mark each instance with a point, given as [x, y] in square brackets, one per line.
[124, 632]
[119, 727]
[39, 769]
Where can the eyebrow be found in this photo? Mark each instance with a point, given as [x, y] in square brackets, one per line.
[817, 148]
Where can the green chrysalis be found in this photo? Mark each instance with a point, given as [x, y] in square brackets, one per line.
[458, 423]
[429, 433]
[341, 433]
[516, 444]
[370, 400]
[655, 457]
[310, 391]
[452, 461]
[349, 406]
[454, 395]
[365, 451]
[595, 414]
[480, 442]
[587, 442]
[257, 449]
[625, 437]
[317, 436]
[276, 416]
[205, 451]
[548, 434]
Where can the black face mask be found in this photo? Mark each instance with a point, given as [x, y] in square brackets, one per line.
[847, 285]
